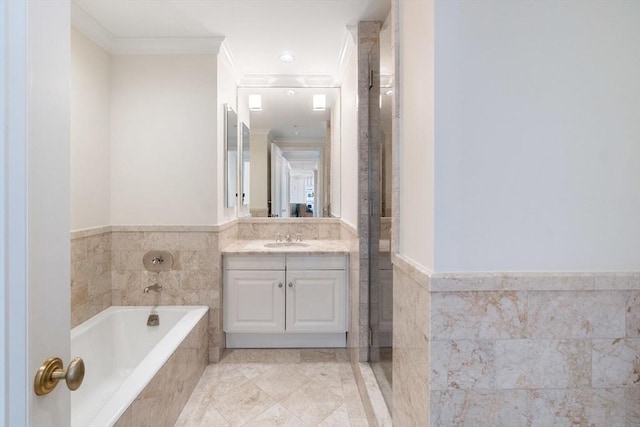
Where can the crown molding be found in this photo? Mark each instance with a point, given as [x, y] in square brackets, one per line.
[286, 80]
[348, 47]
[229, 60]
[91, 28]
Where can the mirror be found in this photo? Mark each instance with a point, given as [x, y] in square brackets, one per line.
[245, 165]
[294, 151]
[231, 156]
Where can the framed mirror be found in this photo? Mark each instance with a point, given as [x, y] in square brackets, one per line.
[230, 156]
[294, 151]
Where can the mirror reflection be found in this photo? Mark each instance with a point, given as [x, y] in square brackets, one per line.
[294, 134]
[231, 156]
[245, 166]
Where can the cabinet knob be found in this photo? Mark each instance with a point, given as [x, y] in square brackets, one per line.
[290, 284]
[280, 284]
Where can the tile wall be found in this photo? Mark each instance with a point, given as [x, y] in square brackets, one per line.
[162, 400]
[90, 274]
[107, 265]
[516, 349]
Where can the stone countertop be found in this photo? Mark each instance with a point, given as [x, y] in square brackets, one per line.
[315, 247]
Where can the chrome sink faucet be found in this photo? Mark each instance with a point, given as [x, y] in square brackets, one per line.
[298, 237]
[288, 238]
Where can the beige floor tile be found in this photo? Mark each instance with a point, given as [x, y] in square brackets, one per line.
[312, 403]
[244, 403]
[281, 381]
[318, 355]
[278, 416]
[243, 355]
[282, 355]
[253, 370]
[338, 418]
[276, 387]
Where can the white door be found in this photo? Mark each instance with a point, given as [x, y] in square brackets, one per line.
[315, 301]
[34, 60]
[254, 301]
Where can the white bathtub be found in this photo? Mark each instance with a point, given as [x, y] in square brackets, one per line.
[122, 354]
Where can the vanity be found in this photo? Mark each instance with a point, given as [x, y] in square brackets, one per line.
[278, 296]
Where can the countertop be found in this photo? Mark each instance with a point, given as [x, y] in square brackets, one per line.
[316, 247]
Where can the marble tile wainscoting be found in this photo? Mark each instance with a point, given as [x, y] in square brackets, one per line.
[90, 273]
[162, 400]
[516, 349]
[106, 264]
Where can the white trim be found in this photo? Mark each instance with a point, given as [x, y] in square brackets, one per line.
[287, 80]
[348, 47]
[229, 60]
[14, 256]
[86, 24]
[3, 200]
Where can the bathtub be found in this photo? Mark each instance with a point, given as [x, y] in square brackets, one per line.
[122, 356]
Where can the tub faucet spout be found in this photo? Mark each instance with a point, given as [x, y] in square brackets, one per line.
[156, 288]
[153, 320]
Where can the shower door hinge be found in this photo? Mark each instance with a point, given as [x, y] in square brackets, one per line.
[370, 79]
[370, 338]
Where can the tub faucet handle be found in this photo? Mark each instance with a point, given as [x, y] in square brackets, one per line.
[156, 288]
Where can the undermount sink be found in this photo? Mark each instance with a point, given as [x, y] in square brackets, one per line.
[285, 244]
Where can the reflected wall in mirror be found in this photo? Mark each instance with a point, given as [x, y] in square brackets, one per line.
[231, 156]
[294, 151]
[245, 165]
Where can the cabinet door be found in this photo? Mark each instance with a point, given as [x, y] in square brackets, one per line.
[254, 301]
[316, 301]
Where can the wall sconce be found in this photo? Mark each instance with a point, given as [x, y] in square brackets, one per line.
[255, 102]
[319, 102]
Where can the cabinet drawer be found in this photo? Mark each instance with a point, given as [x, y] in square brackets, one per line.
[319, 262]
[254, 262]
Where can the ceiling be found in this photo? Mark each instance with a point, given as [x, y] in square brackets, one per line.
[255, 32]
[251, 34]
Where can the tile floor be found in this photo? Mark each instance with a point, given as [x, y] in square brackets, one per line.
[276, 387]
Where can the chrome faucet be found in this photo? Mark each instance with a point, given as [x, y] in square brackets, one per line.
[288, 238]
[156, 288]
[279, 237]
[298, 237]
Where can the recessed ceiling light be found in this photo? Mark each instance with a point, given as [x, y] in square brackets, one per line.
[319, 102]
[287, 57]
[291, 92]
[255, 102]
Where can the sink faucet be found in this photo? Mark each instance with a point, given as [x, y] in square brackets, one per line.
[279, 237]
[298, 237]
[288, 238]
[156, 288]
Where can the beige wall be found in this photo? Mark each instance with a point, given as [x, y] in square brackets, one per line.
[164, 140]
[259, 178]
[349, 144]
[537, 132]
[90, 134]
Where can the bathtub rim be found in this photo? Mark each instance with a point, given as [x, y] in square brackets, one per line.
[149, 366]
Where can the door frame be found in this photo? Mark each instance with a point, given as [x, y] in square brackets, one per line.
[13, 228]
[34, 191]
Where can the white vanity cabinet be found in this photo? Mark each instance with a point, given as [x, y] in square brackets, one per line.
[285, 301]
